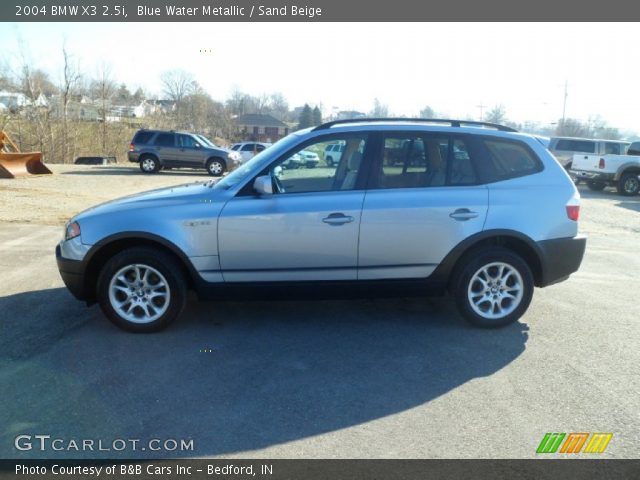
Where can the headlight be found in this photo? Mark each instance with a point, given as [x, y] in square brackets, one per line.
[72, 230]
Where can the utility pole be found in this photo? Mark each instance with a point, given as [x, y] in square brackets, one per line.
[564, 103]
[481, 107]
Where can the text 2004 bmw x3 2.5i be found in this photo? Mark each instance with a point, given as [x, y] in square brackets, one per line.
[475, 209]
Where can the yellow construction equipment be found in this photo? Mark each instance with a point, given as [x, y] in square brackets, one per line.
[14, 163]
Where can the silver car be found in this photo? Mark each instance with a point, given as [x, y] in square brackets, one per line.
[477, 210]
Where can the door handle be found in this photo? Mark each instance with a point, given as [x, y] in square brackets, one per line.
[337, 219]
[463, 214]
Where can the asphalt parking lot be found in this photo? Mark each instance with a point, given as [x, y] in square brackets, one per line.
[379, 378]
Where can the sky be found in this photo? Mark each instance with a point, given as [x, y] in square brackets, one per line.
[452, 67]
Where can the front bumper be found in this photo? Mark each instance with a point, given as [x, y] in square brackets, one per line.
[73, 274]
[593, 176]
[560, 257]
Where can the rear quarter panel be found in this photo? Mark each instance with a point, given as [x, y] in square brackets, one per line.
[534, 205]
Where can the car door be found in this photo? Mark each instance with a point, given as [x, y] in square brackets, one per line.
[166, 149]
[188, 153]
[423, 201]
[307, 230]
[247, 151]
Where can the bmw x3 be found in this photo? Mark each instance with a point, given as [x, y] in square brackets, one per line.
[473, 209]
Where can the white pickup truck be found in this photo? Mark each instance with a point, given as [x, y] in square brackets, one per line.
[620, 171]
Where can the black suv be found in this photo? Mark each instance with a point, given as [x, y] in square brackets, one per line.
[157, 149]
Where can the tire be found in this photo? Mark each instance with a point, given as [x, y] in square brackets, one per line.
[329, 161]
[596, 186]
[164, 277]
[310, 165]
[215, 167]
[149, 164]
[629, 184]
[469, 291]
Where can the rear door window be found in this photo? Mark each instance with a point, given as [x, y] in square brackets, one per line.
[573, 145]
[165, 140]
[413, 161]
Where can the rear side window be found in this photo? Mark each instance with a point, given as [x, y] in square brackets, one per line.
[164, 140]
[142, 138]
[235, 147]
[614, 148]
[572, 145]
[511, 159]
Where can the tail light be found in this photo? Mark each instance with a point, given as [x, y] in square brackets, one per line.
[573, 212]
[132, 147]
[601, 163]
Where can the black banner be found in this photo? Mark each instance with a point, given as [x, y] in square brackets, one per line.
[233, 469]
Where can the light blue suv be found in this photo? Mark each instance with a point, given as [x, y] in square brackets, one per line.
[412, 207]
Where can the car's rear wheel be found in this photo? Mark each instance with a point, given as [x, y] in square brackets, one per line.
[595, 186]
[629, 184]
[215, 167]
[142, 289]
[493, 287]
[310, 164]
[149, 164]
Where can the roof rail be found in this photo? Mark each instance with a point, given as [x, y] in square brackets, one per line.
[453, 123]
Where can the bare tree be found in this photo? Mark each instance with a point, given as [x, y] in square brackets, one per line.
[498, 114]
[570, 127]
[427, 112]
[379, 109]
[176, 85]
[103, 89]
[70, 80]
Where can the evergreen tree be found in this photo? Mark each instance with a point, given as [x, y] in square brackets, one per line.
[316, 116]
[306, 117]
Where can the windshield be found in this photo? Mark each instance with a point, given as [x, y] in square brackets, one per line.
[206, 141]
[251, 167]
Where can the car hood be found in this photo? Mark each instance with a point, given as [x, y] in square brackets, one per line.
[162, 197]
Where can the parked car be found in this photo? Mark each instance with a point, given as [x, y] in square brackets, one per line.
[249, 149]
[293, 162]
[333, 154]
[158, 149]
[620, 171]
[564, 148]
[487, 223]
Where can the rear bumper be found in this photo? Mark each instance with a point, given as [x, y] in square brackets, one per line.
[72, 273]
[595, 176]
[560, 258]
[133, 156]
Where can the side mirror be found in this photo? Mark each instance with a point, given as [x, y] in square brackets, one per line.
[263, 185]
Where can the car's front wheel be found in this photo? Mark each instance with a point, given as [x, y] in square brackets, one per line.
[215, 167]
[629, 184]
[493, 287]
[142, 289]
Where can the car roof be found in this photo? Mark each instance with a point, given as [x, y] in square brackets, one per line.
[589, 139]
